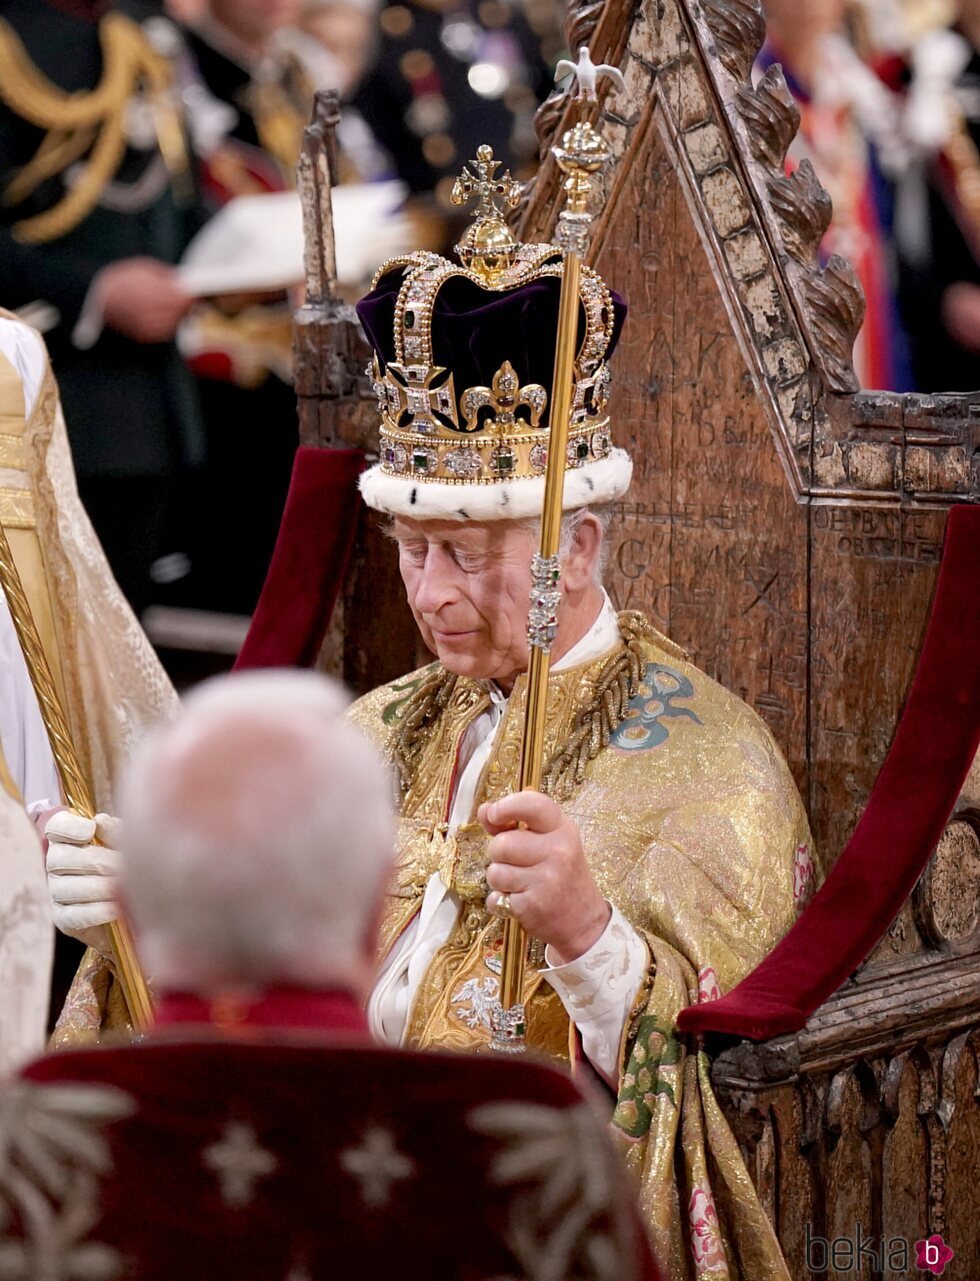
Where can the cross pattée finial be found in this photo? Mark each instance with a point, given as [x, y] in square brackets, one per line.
[487, 246]
[479, 179]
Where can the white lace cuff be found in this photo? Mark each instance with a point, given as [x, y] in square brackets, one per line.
[598, 989]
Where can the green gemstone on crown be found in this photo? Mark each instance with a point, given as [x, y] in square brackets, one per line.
[504, 461]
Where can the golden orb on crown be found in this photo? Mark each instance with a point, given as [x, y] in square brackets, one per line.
[488, 246]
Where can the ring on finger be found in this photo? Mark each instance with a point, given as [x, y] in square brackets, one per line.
[502, 907]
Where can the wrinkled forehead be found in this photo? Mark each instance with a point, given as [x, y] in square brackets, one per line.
[474, 534]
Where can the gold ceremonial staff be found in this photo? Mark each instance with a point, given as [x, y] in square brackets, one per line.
[74, 786]
[582, 155]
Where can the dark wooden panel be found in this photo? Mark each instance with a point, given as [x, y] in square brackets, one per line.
[381, 640]
[710, 541]
[873, 570]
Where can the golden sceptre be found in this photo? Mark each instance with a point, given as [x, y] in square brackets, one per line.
[581, 155]
[74, 786]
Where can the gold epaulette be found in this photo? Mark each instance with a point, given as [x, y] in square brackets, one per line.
[79, 124]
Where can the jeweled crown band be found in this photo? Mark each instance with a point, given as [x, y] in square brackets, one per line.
[486, 459]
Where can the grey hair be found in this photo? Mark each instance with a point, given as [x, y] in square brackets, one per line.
[570, 522]
[258, 836]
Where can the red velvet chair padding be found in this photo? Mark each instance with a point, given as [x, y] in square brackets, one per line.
[309, 562]
[933, 748]
[289, 1160]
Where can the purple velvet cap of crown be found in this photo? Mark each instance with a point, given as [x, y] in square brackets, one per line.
[474, 330]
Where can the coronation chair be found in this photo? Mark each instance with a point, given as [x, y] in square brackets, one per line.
[792, 532]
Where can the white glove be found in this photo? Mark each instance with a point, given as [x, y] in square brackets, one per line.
[82, 876]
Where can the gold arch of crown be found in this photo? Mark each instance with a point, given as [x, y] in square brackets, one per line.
[421, 432]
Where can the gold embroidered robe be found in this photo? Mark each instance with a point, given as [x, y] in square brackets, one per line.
[694, 829]
[109, 679]
[26, 932]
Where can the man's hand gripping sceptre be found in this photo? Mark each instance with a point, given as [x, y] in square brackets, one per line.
[582, 155]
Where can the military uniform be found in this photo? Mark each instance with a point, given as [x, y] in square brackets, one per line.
[250, 412]
[132, 411]
[448, 78]
[271, 100]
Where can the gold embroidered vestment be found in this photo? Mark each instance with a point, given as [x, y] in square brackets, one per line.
[109, 680]
[694, 829]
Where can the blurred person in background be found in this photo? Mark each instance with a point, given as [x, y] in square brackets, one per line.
[237, 875]
[850, 131]
[336, 42]
[239, 345]
[237, 56]
[262, 63]
[938, 226]
[448, 77]
[98, 203]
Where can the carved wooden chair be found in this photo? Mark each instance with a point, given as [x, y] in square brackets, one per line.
[786, 528]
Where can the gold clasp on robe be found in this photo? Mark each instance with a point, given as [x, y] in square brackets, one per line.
[463, 864]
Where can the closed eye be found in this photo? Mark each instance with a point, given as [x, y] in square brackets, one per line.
[414, 553]
[469, 563]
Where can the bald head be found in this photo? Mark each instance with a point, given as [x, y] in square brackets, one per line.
[258, 838]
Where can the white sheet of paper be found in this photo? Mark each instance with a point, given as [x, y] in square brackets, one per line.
[256, 242]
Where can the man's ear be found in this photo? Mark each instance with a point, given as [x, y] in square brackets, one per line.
[578, 571]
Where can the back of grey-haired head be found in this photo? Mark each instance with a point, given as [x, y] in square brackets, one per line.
[258, 836]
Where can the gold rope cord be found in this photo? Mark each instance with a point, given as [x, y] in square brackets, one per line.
[29, 92]
[73, 119]
[422, 711]
[78, 203]
[57, 151]
[617, 683]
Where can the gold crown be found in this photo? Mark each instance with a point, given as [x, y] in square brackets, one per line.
[494, 432]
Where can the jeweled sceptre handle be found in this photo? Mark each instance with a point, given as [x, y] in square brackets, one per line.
[581, 155]
[74, 786]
